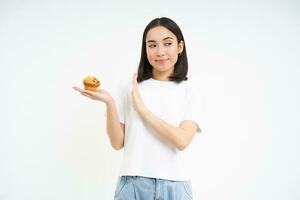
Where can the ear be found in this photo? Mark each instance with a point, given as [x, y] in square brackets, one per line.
[180, 46]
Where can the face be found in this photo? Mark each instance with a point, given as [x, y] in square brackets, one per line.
[162, 50]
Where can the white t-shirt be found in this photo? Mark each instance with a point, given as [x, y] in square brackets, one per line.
[146, 153]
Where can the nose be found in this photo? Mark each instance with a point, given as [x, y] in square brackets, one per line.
[160, 51]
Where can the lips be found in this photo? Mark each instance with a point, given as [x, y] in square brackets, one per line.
[161, 60]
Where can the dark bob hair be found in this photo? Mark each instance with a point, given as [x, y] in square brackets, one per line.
[181, 66]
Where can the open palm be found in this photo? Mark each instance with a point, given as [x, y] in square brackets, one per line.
[99, 95]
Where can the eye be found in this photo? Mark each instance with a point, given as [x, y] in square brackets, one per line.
[152, 45]
[168, 44]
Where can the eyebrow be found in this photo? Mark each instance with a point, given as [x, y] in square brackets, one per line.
[163, 39]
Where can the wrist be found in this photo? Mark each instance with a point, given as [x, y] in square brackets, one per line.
[143, 111]
[109, 101]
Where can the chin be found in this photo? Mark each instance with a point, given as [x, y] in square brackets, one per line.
[162, 68]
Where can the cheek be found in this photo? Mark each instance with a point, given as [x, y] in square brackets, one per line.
[173, 54]
[150, 55]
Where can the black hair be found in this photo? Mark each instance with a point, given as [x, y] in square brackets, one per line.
[181, 66]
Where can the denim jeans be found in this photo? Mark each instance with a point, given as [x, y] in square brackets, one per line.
[143, 188]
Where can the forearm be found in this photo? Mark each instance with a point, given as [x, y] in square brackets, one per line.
[114, 129]
[173, 134]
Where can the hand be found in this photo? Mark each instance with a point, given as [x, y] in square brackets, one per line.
[99, 95]
[136, 96]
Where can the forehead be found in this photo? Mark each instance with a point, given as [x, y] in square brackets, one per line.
[159, 33]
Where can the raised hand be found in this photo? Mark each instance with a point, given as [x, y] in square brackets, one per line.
[136, 96]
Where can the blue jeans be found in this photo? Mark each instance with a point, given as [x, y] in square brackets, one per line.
[143, 188]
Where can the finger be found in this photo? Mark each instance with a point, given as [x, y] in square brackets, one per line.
[135, 83]
[134, 78]
[77, 89]
[89, 92]
[87, 95]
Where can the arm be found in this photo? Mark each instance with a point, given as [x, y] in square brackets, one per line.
[115, 130]
[180, 136]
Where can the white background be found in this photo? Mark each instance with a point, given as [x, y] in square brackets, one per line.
[244, 56]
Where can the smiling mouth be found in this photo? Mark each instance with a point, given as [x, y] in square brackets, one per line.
[161, 60]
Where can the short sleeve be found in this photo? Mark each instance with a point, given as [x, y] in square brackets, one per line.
[193, 109]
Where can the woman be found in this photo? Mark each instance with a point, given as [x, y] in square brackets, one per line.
[155, 119]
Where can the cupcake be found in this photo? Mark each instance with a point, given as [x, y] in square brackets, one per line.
[91, 83]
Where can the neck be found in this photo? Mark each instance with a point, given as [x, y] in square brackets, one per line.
[162, 76]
